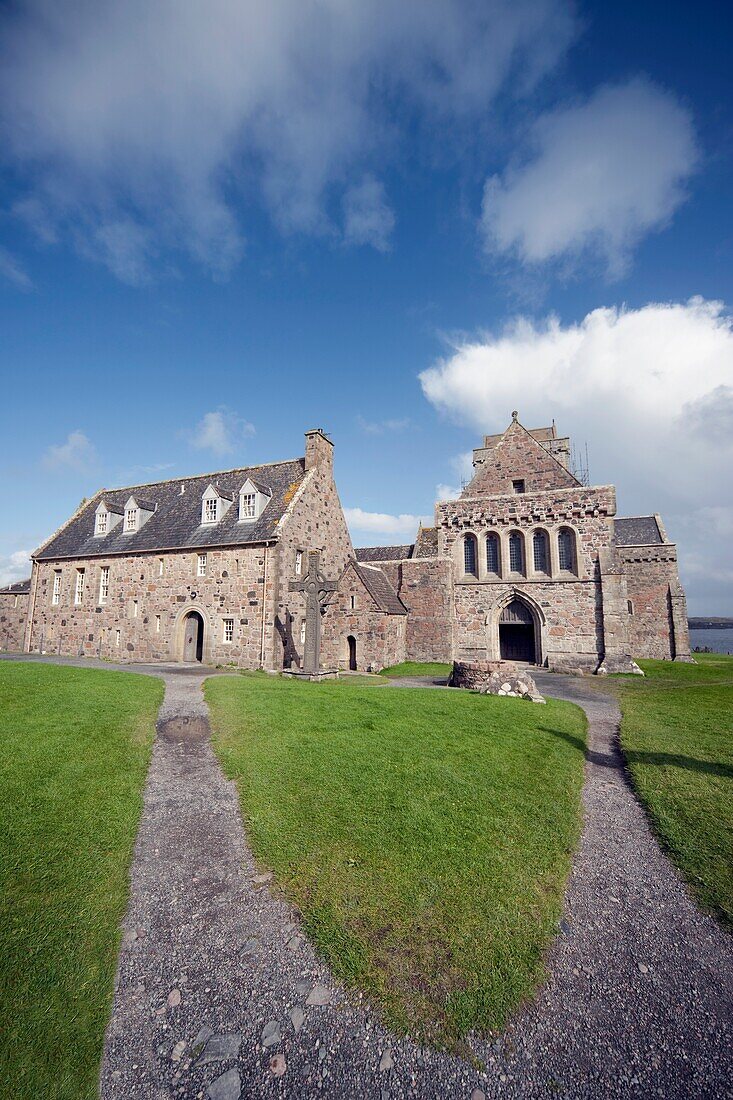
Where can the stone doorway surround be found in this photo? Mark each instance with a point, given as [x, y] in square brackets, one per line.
[504, 613]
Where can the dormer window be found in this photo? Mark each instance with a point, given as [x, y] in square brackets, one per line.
[102, 518]
[106, 517]
[137, 512]
[253, 499]
[131, 519]
[215, 504]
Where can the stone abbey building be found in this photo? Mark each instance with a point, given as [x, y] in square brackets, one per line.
[528, 564]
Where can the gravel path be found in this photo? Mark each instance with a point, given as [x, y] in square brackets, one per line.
[219, 997]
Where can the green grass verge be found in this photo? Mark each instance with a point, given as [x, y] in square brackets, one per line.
[76, 745]
[677, 734]
[418, 668]
[425, 836]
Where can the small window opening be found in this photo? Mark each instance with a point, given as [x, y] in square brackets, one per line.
[518, 485]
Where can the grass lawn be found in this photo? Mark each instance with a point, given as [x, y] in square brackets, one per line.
[677, 734]
[76, 745]
[418, 668]
[425, 836]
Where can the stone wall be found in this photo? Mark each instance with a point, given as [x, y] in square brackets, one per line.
[656, 602]
[13, 617]
[380, 637]
[425, 587]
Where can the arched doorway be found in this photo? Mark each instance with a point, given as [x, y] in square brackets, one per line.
[517, 637]
[193, 637]
[351, 640]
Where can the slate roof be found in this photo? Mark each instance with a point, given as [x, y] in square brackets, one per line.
[18, 588]
[176, 522]
[384, 553]
[426, 544]
[380, 589]
[637, 531]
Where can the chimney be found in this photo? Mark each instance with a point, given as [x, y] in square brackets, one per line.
[318, 449]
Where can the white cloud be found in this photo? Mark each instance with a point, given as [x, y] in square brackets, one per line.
[598, 176]
[221, 431]
[447, 492]
[368, 218]
[76, 453]
[12, 269]
[650, 389]
[382, 524]
[164, 114]
[15, 567]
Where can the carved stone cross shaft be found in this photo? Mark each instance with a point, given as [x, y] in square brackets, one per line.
[316, 587]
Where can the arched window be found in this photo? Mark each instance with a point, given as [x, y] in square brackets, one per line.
[540, 552]
[516, 552]
[566, 549]
[630, 607]
[469, 555]
[492, 554]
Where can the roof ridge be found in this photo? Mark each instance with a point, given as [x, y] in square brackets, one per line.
[195, 477]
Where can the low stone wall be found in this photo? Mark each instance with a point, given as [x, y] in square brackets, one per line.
[494, 678]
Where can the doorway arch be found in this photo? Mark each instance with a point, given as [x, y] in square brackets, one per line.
[351, 642]
[515, 629]
[193, 637]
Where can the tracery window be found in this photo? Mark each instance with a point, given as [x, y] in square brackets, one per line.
[540, 552]
[469, 555]
[566, 549]
[492, 554]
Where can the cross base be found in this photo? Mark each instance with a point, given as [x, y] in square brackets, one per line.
[322, 674]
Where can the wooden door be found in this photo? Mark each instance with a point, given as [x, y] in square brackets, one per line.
[191, 639]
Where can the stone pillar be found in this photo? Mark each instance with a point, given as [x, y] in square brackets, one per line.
[616, 655]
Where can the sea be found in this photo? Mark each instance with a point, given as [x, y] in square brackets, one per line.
[718, 640]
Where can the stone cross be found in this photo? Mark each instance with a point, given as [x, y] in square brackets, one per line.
[315, 586]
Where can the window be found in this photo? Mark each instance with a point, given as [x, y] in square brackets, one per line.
[201, 565]
[56, 594]
[298, 562]
[353, 603]
[630, 607]
[248, 506]
[79, 590]
[492, 554]
[518, 485]
[117, 637]
[302, 631]
[469, 554]
[101, 523]
[540, 552]
[566, 549]
[131, 519]
[157, 624]
[134, 609]
[229, 630]
[104, 584]
[210, 510]
[161, 567]
[516, 553]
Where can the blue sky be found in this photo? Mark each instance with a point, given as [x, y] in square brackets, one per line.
[221, 227]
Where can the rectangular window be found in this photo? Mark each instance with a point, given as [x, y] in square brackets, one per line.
[353, 603]
[131, 519]
[117, 637]
[101, 523]
[210, 510]
[103, 584]
[229, 630]
[298, 562]
[248, 506]
[161, 567]
[134, 609]
[56, 594]
[518, 485]
[201, 565]
[157, 624]
[302, 632]
[79, 590]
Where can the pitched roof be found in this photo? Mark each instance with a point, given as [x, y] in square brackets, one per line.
[17, 588]
[380, 589]
[176, 520]
[426, 543]
[637, 531]
[384, 553]
[518, 454]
